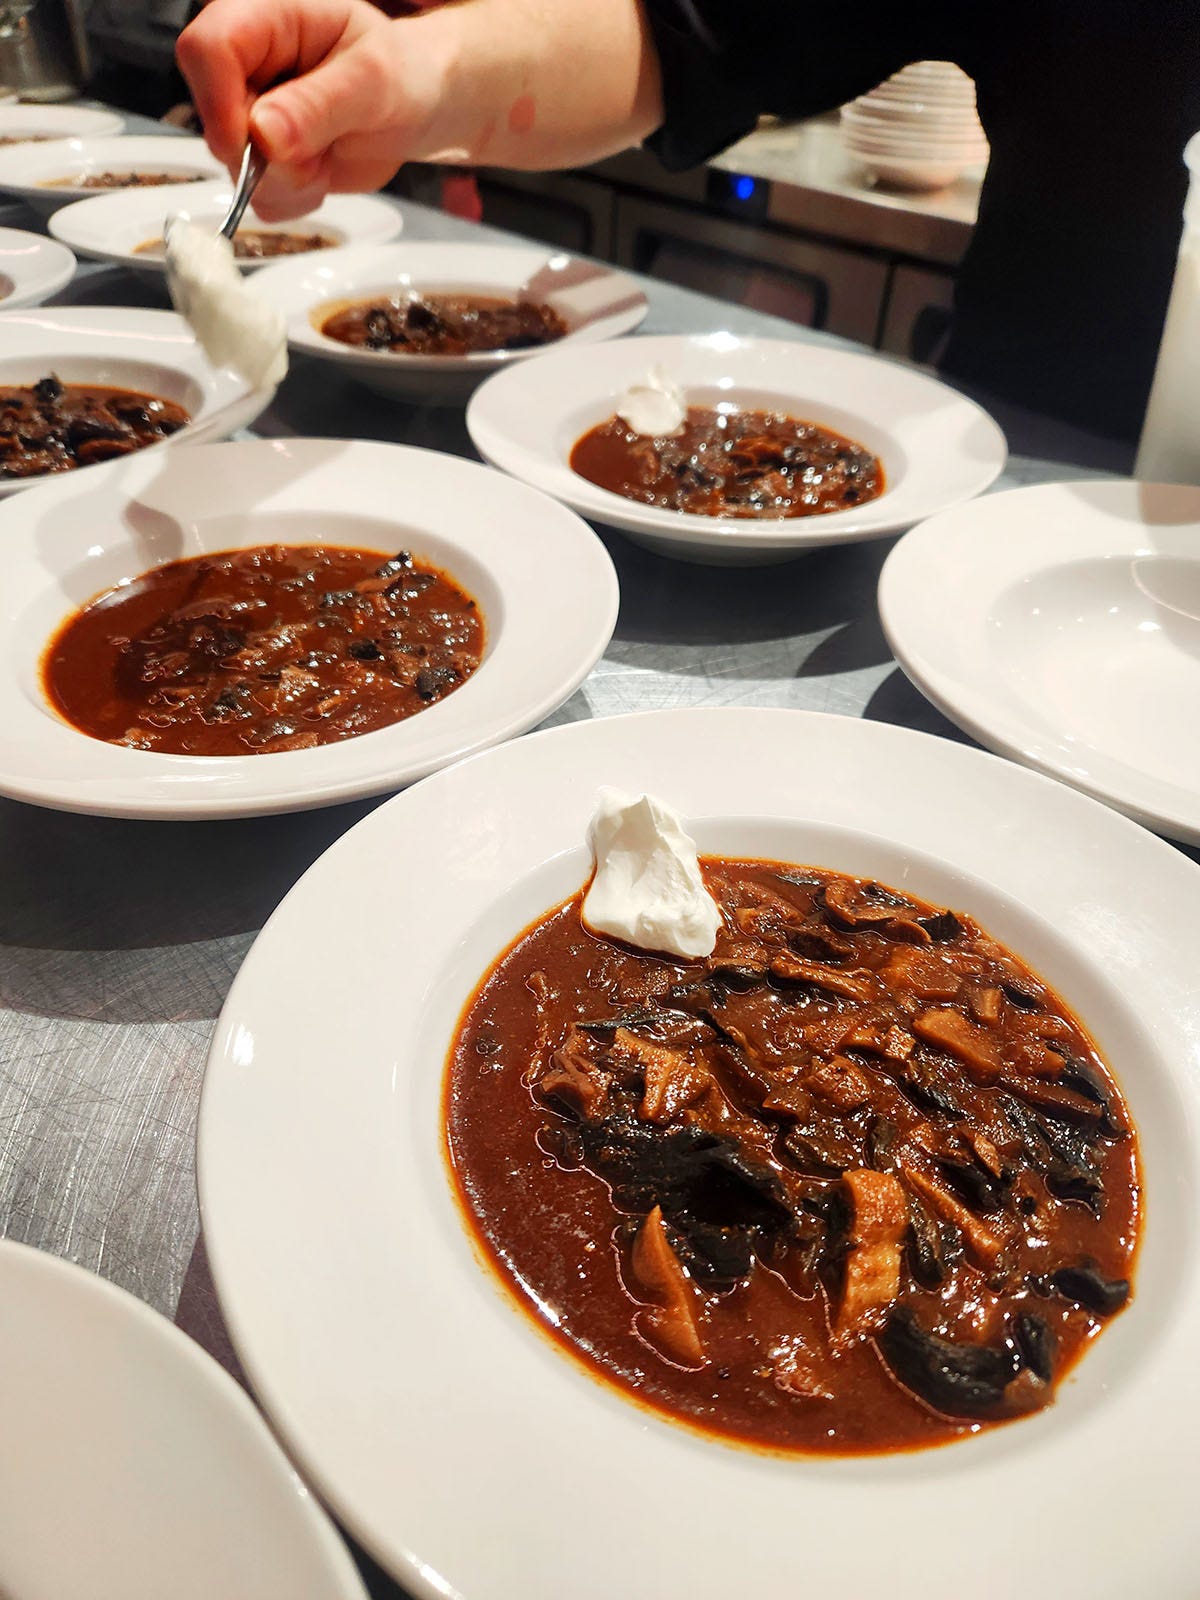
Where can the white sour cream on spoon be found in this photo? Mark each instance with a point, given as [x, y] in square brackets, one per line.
[236, 326]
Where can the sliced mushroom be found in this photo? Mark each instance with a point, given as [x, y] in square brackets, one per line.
[949, 1030]
[878, 1224]
[789, 968]
[671, 1324]
[984, 1243]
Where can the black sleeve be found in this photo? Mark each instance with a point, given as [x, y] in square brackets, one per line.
[727, 62]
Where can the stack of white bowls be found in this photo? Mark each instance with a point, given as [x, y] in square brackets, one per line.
[919, 130]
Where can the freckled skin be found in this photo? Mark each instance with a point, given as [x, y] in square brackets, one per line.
[522, 114]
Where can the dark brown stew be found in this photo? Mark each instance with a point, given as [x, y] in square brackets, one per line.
[858, 1182]
[444, 325]
[122, 180]
[258, 244]
[51, 426]
[731, 464]
[276, 647]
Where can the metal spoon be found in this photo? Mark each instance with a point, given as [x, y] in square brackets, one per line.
[254, 164]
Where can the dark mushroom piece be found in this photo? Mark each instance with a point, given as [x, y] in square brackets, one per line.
[933, 1246]
[959, 1380]
[1087, 1286]
[1036, 1345]
[941, 928]
[724, 1207]
[979, 1188]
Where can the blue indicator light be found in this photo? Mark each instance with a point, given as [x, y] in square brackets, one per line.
[743, 188]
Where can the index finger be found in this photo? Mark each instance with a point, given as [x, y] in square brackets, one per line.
[236, 48]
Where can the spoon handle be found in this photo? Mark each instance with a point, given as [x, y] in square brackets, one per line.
[254, 164]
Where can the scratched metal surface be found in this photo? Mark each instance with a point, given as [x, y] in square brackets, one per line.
[119, 940]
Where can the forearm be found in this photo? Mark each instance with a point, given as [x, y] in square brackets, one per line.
[539, 83]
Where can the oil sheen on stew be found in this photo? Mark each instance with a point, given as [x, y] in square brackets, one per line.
[858, 1182]
[444, 325]
[271, 648]
[731, 464]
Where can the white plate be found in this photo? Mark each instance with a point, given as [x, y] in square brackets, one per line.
[469, 1454]
[35, 267]
[110, 227]
[595, 302]
[25, 169]
[1061, 625]
[57, 122]
[153, 351]
[544, 582]
[903, 173]
[918, 144]
[133, 1466]
[936, 447]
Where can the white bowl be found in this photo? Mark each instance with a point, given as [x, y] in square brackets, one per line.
[152, 351]
[936, 447]
[1073, 643]
[57, 122]
[133, 1466]
[948, 73]
[905, 173]
[464, 1449]
[27, 169]
[595, 302]
[929, 129]
[917, 115]
[887, 103]
[110, 227]
[32, 267]
[914, 149]
[543, 581]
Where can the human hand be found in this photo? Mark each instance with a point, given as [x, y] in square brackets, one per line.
[360, 97]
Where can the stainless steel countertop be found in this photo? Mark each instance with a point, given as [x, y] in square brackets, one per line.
[119, 940]
[817, 188]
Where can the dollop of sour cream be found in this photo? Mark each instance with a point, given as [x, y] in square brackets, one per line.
[237, 327]
[655, 408]
[647, 889]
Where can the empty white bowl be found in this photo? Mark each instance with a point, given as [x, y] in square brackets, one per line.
[31, 268]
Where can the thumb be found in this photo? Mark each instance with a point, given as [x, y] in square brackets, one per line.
[348, 93]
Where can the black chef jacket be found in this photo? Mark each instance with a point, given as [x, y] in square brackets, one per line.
[1087, 105]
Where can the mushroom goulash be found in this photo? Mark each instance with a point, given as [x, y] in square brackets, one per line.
[856, 1182]
[444, 325]
[122, 180]
[265, 649]
[731, 464]
[257, 244]
[50, 426]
